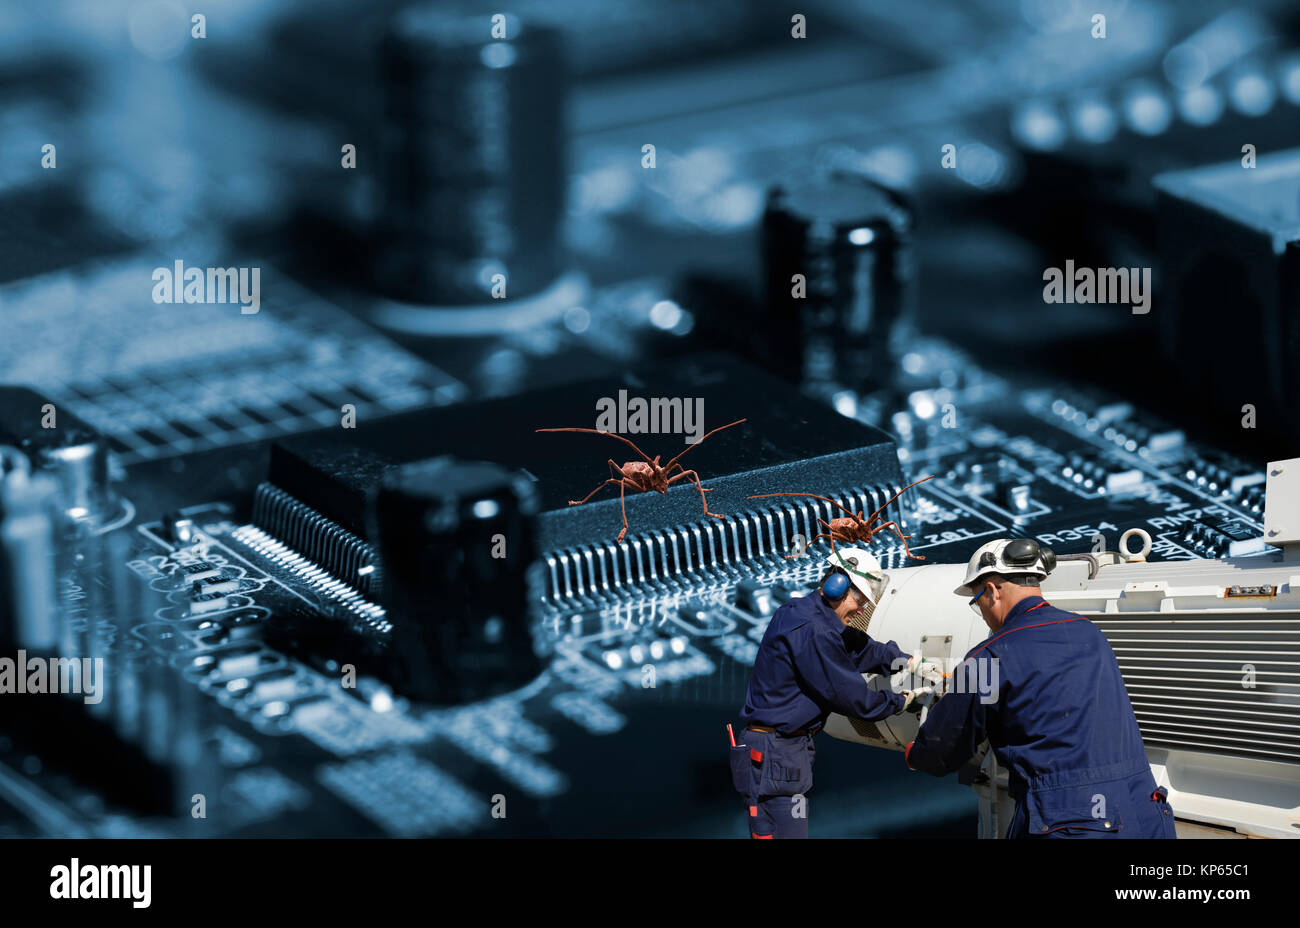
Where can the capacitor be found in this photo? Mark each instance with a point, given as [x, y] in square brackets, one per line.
[458, 539]
[89, 614]
[473, 152]
[58, 443]
[838, 265]
[29, 616]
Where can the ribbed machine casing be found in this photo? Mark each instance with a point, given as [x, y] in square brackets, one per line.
[1209, 649]
[1210, 654]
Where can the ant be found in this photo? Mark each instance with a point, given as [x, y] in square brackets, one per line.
[856, 527]
[646, 475]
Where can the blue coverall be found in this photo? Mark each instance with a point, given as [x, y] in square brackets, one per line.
[1060, 722]
[809, 665]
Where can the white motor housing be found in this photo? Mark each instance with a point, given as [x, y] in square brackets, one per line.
[1210, 655]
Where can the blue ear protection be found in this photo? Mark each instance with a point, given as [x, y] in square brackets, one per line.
[836, 586]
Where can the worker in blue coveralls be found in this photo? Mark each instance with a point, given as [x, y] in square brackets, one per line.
[811, 663]
[1058, 718]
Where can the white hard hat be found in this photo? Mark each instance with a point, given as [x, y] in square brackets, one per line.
[1009, 557]
[863, 570]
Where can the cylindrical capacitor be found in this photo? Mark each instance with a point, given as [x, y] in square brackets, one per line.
[58, 443]
[81, 466]
[135, 661]
[849, 241]
[457, 539]
[473, 150]
[29, 616]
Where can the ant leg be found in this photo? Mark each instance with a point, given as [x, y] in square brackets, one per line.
[579, 502]
[829, 533]
[669, 470]
[622, 502]
[893, 526]
[703, 499]
[811, 543]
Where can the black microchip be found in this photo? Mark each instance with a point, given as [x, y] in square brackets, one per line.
[1225, 536]
[788, 443]
[336, 479]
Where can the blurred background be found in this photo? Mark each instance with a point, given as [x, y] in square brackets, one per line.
[454, 202]
[524, 156]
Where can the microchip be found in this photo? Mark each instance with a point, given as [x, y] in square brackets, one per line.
[338, 480]
[1225, 536]
[788, 443]
[1231, 238]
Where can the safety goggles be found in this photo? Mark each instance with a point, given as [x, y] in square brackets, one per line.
[974, 602]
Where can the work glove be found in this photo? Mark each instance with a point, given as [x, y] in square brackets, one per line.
[917, 699]
[926, 670]
[931, 674]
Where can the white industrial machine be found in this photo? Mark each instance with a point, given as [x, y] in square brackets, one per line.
[1209, 651]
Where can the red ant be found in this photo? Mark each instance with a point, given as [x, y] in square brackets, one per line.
[855, 528]
[646, 475]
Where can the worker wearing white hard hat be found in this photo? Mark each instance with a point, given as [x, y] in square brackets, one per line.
[862, 570]
[1022, 560]
[868, 581]
[811, 663]
[1045, 691]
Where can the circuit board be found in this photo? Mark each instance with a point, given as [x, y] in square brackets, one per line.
[265, 617]
[666, 647]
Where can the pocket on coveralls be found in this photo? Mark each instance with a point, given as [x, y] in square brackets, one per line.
[742, 769]
[1069, 813]
[786, 769]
